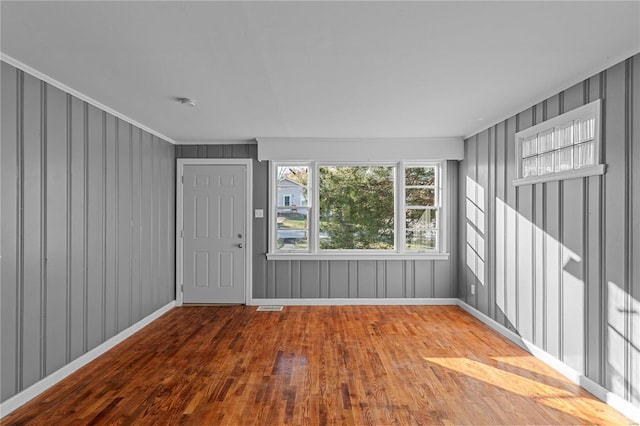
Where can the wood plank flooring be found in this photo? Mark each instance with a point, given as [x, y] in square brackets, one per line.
[346, 365]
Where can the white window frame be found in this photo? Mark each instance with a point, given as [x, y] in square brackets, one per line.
[399, 252]
[591, 110]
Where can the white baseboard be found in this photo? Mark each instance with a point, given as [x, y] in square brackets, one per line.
[611, 399]
[37, 388]
[348, 301]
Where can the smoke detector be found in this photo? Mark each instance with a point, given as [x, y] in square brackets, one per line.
[188, 102]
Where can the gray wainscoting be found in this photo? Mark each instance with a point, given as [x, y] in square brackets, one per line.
[560, 260]
[88, 228]
[285, 279]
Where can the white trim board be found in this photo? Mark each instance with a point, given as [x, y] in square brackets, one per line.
[361, 150]
[216, 142]
[180, 163]
[611, 399]
[37, 388]
[52, 81]
[347, 301]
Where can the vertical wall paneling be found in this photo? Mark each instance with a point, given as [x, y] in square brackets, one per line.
[500, 224]
[110, 286]
[569, 246]
[68, 185]
[324, 279]
[573, 256]
[146, 226]
[309, 279]
[491, 222]
[444, 285]
[136, 219]
[471, 224]
[615, 228]
[462, 223]
[525, 246]
[56, 228]
[123, 250]
[336, 278]
[633, 113]
[283, 279]
[32, 332]
[11, 228]
[510, 227]
[367, 279]
[424, 287]
[538, 265]
[382, 278]
[594, 342]
[95, 249]
[481, 197]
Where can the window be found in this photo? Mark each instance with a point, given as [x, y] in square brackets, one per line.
[421, 208]
[357, 208]
[564, 147]
[292, 221]
[363, 209]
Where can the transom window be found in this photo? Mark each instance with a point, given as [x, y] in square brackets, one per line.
[564, 147]
[323, 208]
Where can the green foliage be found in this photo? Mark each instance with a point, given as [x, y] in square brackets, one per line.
[356, 207]
[420, 176]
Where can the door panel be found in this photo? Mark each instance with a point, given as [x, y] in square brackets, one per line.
[214, 233]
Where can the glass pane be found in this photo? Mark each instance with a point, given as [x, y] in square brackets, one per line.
[356, 208]
[421, 239]
[420, 218]
[584, 155]
[545, 141]
[421, 229]
[564, 135]
[584, 130]
[420, 176]
[292, 229]
[545, 163]
[292, 186]
[420, 197]
[530, 146]
[564, 159]
[530, 167]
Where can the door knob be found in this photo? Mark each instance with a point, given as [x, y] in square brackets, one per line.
[240, 245]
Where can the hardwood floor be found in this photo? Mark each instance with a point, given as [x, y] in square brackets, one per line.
[340, 365]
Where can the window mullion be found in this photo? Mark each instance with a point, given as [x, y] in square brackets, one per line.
[314, 225]
[400, 203]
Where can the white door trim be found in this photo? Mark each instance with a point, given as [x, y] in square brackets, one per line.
[181, 162]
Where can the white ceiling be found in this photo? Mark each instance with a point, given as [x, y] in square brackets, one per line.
[319, 69]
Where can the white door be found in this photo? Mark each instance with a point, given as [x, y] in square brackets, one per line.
[214, 228]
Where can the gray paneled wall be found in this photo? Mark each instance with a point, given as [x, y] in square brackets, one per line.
[87, 228]
[287, 279]
[560, 259]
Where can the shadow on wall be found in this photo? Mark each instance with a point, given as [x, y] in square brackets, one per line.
[475, 230]
[617, 329]
[540, 292]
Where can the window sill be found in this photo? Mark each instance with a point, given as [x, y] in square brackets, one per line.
[571, 174]
[357, 256]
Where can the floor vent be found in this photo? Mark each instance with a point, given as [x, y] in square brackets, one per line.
[271, 308]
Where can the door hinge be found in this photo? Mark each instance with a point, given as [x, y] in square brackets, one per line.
[182, 233]
[181, 179]
[182, 288]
